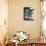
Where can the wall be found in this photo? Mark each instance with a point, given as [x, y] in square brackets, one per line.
[16, 21]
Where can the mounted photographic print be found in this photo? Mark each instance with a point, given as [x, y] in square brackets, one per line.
[28, 12]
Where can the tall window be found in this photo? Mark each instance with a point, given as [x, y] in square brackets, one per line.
[44, 21]
[43, 6]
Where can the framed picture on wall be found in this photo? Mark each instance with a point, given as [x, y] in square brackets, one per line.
[28, 12]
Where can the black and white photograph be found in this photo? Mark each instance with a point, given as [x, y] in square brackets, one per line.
[28, 12]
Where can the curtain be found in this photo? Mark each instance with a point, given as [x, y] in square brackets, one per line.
[3, 18]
